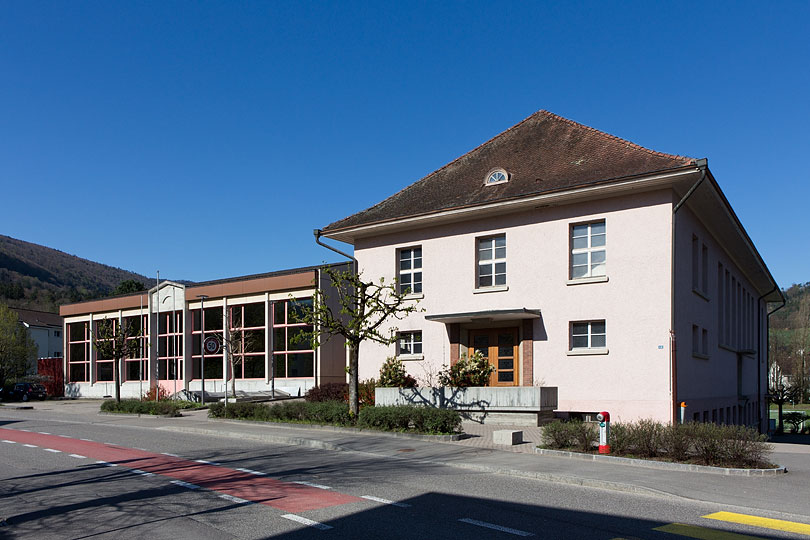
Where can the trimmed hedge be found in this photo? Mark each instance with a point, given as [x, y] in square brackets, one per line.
[401, 418]
[410, 418]
[136, 406]
[703, 443]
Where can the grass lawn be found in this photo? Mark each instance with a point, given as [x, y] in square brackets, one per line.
[789, 407]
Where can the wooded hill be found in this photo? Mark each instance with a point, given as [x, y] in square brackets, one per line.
[38, 277]
[794, 314]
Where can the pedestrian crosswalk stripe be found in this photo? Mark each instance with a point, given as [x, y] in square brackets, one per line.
[702, 533]
[766, 523]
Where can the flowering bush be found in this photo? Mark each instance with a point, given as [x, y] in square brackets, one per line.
[472, 371]
[393, 375]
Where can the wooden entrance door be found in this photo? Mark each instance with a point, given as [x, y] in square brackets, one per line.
[500, 347]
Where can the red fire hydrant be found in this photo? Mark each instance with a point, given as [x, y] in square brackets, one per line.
[604, 432]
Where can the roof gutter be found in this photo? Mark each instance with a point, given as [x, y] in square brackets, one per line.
[349, 234]
[703, 166]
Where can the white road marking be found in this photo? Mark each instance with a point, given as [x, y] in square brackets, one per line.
[26, 430]
[495, 527]
[307, 522]
[168, 454]
[65, 436]
[108, 464]
[185, 484]
[43, 432]
[385, 501]
[31, 445]
[79, 456]
[207, 462]
[250, 471]
[310, 484]
[144, 473]
[88, 440]
[10, 442]
[233, 499]
[52, 450]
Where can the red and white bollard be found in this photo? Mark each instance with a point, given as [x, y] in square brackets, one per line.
[604, 432]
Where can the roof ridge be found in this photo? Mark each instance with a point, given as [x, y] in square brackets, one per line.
[603, 136]
[613, 137]
[446, 165]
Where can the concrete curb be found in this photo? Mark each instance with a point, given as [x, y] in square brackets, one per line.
[264, 437]
[663, 465]
[320, 427]
[561, 479]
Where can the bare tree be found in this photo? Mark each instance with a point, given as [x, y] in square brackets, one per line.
[780, 391]
[116, 340]
[363, 309]
[236, 343]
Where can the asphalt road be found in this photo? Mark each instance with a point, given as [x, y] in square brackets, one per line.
[64, 478]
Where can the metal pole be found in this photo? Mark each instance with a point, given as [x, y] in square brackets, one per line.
[157, 348]
[140, 348]
[202, 298]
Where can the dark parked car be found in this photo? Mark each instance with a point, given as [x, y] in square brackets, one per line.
[27, 391]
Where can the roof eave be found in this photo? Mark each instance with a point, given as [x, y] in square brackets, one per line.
[594, 190]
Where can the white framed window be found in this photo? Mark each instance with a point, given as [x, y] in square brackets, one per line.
[409, 343]
[588, 335]
[410, 270]
[491, 262]
[588, 251]
[496, 176]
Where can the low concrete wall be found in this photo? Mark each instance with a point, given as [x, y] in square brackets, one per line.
[518, 405]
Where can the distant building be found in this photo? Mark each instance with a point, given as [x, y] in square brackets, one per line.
[573, 258]
[260, 309]
[45, 329]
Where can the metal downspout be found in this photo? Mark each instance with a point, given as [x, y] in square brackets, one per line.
[318, 232]
[702, 165]
[767, 350]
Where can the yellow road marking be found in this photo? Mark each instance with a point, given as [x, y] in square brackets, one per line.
[702, 533]
[767, 523]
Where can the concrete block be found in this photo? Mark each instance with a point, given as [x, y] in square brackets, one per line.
[508, 437]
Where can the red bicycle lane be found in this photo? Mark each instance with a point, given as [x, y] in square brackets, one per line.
[286, 496]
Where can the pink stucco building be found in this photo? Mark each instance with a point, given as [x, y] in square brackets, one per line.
[575, 259]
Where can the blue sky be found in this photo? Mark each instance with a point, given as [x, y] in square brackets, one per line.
[207, 139]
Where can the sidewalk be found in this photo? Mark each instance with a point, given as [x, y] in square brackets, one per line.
[787, 493]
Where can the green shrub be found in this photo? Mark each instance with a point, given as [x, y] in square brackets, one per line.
[621, 441]
[472, 371]
[676, 441]
[708, 442]
[322, 412]
[136, 406]
[410, 418]
[393, 374]
[744, 447]
[795, 419]
[556, 435]
[584, 435]
[366, 392]
[328, 392]
[646, 437]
